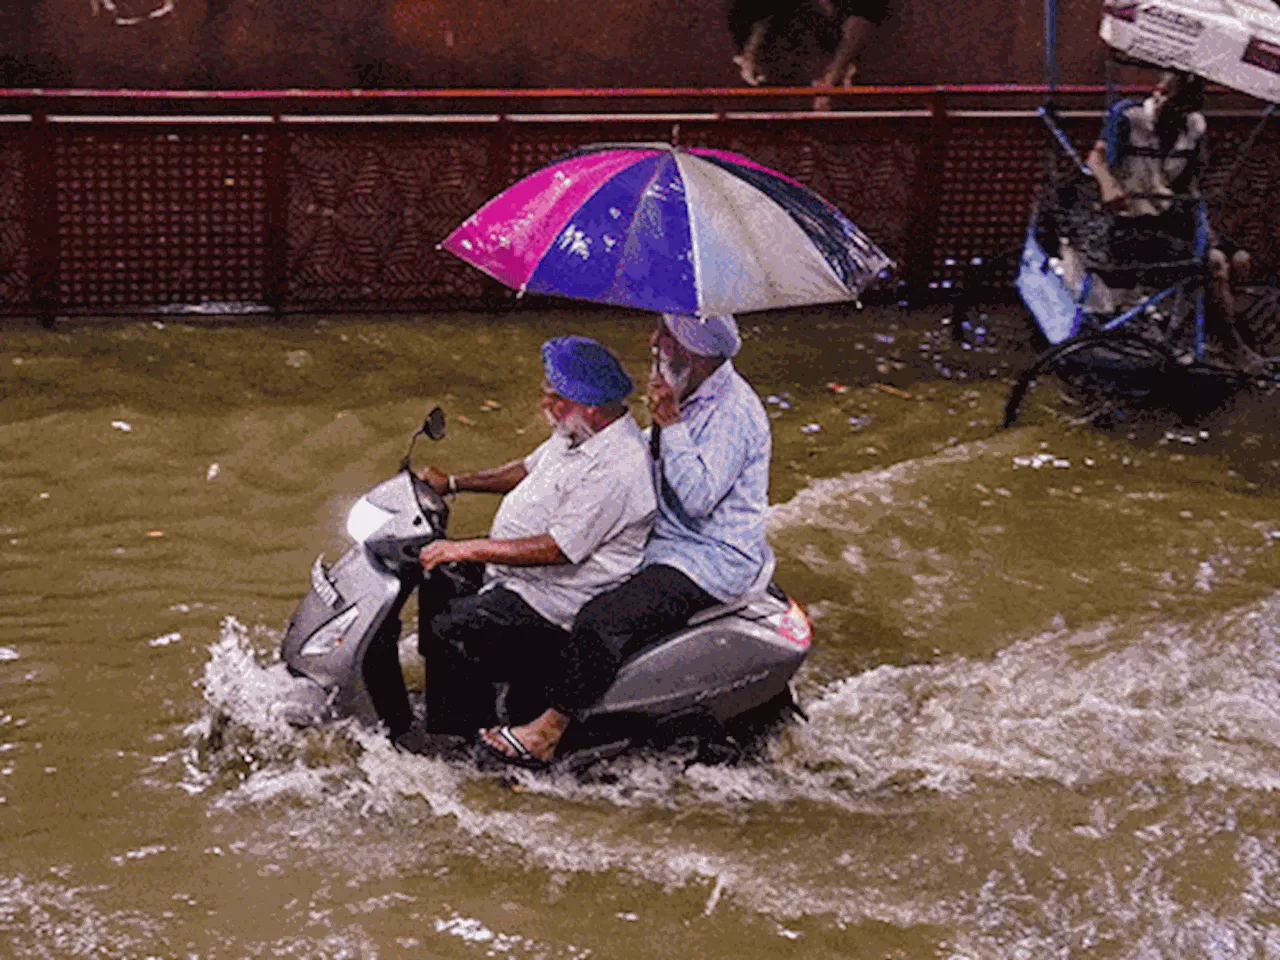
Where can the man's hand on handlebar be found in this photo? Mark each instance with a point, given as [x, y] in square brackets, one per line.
[445, 551]
[435, 479]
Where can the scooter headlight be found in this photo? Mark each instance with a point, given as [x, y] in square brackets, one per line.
[365, 520]
[326, 639]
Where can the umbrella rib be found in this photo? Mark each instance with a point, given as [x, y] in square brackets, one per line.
[694, 246]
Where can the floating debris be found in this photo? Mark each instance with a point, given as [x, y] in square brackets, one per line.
[1039, 460]
[122, 426]
[857, 423]
[165, 640]
[155, 533]
[835, 387]
[211, 472]
[463, 418]
[490, 405]
[7, 654]
[892, 391]
[811, 428]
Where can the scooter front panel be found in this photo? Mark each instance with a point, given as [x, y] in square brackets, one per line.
[337, 666]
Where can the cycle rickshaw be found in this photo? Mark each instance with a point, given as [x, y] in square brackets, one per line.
[1122, 334]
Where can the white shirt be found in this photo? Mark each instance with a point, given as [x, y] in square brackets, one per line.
[596, 500]
[1136, 158]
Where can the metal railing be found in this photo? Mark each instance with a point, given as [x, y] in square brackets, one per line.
[126, 202]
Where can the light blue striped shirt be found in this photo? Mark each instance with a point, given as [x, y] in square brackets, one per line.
[712, 477]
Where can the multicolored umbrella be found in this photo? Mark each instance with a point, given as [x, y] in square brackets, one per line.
[669, 229]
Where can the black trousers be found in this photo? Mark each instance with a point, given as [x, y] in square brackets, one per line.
[473, 641]
[617, 624]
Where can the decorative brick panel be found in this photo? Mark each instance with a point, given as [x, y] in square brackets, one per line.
[159, 218]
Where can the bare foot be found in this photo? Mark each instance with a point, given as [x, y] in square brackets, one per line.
[752, 75]
[540, 737]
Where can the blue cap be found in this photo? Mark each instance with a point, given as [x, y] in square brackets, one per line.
[584, 371]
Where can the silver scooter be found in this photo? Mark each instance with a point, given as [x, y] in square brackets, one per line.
[723, 677]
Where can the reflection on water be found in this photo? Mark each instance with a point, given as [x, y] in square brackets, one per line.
[1042, 703]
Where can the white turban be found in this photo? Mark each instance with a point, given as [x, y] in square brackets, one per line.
[714, 336]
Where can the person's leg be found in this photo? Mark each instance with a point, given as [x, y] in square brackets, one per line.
[1220, 306]
[1220, 295]
[749, 23]
[608, 629]
[843, 67]
[748, 61]
[480, 640]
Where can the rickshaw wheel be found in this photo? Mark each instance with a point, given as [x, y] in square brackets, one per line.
[1093, 379]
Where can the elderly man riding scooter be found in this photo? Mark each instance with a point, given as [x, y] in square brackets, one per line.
[573, 522]
[711, 447]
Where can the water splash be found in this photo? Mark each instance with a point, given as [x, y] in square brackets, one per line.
[1141, 702]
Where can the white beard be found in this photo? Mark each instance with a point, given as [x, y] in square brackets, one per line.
[573, 428]
[678, 381]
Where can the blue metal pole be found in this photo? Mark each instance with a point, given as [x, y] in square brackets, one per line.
[1060, 135]
[1199, 346]
[1202, 253]
[1132, 312]
[1051, 46]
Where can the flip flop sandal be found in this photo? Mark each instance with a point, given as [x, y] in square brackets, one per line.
[521, 758]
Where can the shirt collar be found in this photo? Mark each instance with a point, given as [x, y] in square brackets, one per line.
[712, 386]
[623, 426]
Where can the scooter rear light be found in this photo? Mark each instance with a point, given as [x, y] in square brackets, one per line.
[794, 626]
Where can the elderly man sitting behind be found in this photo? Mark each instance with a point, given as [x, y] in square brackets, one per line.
[573, 523]
[711, 444]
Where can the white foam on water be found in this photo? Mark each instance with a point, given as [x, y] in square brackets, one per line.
[474, 932]
[244, 731]
[813, 505]
[242, 686]
[54, 919]
[1140, 701]
[1193, 701]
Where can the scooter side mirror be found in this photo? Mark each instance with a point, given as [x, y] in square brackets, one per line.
[434, 426]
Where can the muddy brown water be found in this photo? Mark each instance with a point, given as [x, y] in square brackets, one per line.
[1043, 697]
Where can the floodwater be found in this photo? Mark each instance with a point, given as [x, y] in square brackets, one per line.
[1044, 695]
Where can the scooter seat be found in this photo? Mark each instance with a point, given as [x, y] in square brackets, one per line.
[758, 587]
